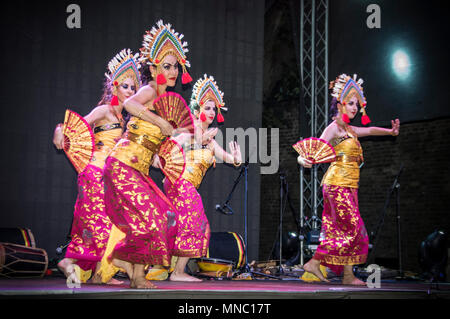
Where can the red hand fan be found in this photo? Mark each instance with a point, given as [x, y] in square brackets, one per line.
[173, 108]
[79, 141]
[315, 150]
[172, 159]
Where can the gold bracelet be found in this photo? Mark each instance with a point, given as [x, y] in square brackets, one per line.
[237, 164]
[140, 113]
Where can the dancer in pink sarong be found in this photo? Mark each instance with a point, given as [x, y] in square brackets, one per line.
[192, 230]
[134, 203]
[344, 240]
[91, 226]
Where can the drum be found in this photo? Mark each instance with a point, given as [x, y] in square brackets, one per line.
[227, 246]
[216, 268]
[19, 236]
[213, 264]
[19, 261]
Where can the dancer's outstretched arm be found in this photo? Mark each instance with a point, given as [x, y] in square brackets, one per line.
[234, 157]
[135, 106]
[378, 131]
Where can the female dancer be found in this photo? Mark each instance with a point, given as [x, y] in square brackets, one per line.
[132, 199]
[91, 226]
[193, 232]
[344, 239]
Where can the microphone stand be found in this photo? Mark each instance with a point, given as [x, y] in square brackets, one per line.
[236, 182]
[282, 186]
[247, 266]
[244, 172]
[284, 199]
[395, 189]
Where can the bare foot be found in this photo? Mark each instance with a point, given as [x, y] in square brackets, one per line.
[96, 279]
[74, 278]
[128, 267]
[183, 277]
[313, 267]
[66, 266]
[114, 281]
[141, 283]
[70, 270]
[352, 281]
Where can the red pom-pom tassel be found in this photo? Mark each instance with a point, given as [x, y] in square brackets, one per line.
[160, 79]
[114, 100]
[365, 119]
[220, 118]
[186, 78]
[202, 117]
[345, 118]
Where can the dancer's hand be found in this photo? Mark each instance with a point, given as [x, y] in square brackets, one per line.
[236, 152]
[395, 127]
[156, 162]
[166, 128]
[58, 138]
[209, 135]
[304, 162]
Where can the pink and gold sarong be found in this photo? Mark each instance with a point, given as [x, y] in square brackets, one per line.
[344, 239]
[191, 234]
[139, 212]
[91, 225]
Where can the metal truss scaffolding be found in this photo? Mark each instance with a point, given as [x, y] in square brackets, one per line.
[314, 81]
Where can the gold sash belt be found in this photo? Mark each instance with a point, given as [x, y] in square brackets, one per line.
[142, 140]
[348, 159]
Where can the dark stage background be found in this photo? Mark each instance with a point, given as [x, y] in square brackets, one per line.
[420, 102]
[48, 67]
[415, 30]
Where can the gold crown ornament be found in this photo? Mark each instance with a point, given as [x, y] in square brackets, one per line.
[161, 41]
[344, 88]
[206, 89]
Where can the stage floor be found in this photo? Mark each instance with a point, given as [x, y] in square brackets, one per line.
[51, 287]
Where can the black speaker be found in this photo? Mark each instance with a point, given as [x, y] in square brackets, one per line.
[433, 256]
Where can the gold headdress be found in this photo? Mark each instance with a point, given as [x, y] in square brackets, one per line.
[161, 41]
[344, 88]
[206, 89]
[124, 65]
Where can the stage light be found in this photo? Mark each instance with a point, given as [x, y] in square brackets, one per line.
[290, 248]
[293, 234]
[401, 64]
[433, 256]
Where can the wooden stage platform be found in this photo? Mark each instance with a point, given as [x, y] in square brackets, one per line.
[56, 288]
